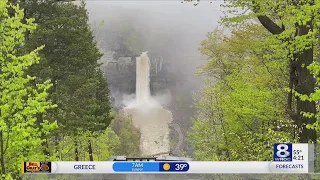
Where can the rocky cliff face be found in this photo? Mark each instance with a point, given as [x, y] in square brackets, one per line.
[121, 75]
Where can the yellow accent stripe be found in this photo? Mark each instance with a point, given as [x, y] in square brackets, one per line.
[22, 167]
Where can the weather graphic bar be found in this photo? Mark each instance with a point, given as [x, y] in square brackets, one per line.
[288, 158]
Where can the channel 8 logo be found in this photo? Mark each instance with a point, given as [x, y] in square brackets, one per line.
[282, 152]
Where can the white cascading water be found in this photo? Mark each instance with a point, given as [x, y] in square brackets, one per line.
[147, 114]
[142, 79]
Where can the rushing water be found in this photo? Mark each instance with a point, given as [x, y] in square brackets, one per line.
[142, 79]
[147, 114]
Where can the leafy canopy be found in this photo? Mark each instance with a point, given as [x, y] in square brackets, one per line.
[19, 103]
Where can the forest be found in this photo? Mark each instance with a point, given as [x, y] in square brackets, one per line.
[261, 84]
[263, 78]
[55, 102]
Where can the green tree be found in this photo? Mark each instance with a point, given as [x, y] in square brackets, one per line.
[243, 101]
[129, 135]
[20, 138]
[105, 144]
[293, 34]
[88, 104]
[120, 138]
[70, 61]
[293, 27]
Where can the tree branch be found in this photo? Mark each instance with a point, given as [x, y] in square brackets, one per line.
[271, 26]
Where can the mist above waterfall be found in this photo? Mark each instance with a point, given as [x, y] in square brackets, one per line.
[170, 28]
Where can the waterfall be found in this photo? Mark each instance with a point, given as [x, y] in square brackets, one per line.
[147, 114]
[142, 79]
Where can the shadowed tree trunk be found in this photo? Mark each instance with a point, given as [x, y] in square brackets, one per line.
[3, 169]
[300, 79]
[305, 84]
[76, 152]
[90, 150]
[45, 145]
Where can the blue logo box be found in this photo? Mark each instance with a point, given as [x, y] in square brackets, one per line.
[282, 152]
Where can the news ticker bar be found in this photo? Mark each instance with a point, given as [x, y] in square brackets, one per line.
[195, 167]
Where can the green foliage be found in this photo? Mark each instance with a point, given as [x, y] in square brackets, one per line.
[294, 25]
[247, 103]
[105, 145]
[70, 61]
[20, 137]
[121, 138]
[86, 101]
[244, 103]
[129, 136]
